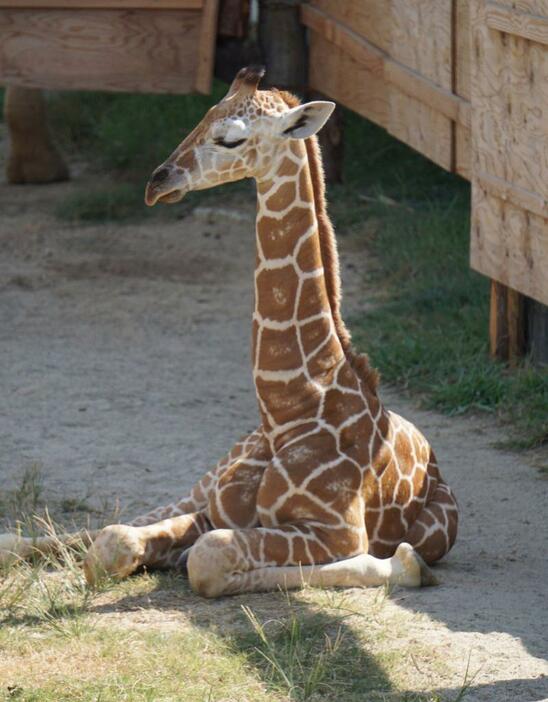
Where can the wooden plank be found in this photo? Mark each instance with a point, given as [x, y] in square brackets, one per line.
[206, 48]
[420, 38]
[370, 56]
[335, 73]
[367, 18]
[462, 49]
[532, 202]
[104, 4]
[407, 80]
[509, 244]
[136, 50]
[463, 151]
[514, 21]
[506, 323]
[417, 86]
[510, 138]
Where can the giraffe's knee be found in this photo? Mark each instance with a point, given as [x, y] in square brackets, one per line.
[211, 561]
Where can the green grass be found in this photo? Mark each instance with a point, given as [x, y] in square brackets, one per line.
[150, 639]
[428, 328]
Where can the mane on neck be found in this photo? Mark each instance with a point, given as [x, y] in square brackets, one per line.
[330, 257]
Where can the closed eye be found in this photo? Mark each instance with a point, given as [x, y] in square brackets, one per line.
[229, 144]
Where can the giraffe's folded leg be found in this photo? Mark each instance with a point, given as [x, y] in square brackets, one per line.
[120, 549]
[14, 547]
[434, 532]
[220, 564]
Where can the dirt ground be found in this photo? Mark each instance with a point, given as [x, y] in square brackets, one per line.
[125, 374]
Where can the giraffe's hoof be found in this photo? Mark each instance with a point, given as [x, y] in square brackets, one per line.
[117, 552]
[416, 572]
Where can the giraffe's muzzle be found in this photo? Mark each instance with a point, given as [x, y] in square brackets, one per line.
[165, 186]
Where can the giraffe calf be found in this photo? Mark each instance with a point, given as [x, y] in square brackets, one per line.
[331, 488]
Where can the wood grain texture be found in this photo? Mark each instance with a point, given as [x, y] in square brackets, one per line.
[206, 47]
[506, 323]
[516, 22]
[462, 68]
[368, 18]
[414, 62]
[127, 50]
[335, 73]
[420, 38]
[105, 4]
[510, 154]
[509, 244]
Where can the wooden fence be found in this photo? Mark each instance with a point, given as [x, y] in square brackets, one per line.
[465, 82]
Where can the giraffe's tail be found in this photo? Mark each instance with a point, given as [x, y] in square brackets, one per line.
[435, 529]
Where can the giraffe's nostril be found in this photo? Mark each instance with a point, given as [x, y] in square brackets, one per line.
[160, 175]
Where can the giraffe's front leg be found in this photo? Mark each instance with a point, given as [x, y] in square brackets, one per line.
[228, 562]
[120, 549]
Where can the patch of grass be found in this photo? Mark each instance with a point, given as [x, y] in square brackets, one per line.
[149, 638]
[25, 499]
[428, 328]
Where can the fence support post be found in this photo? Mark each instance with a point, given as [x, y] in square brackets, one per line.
[33, 157]
[507, 323]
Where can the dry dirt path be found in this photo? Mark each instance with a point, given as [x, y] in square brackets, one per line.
[125, 374]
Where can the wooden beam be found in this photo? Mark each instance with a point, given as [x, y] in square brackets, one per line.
[516, 22]
[380, 63]
[508, 192]
[206, 47]
[103, 4]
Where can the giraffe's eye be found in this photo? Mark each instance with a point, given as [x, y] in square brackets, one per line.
[229, 144]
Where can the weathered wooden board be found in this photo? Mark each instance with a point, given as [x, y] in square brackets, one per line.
[128, 50]
[461, 85]
[510, 147]
[355, 84]
[368, 18]
[403, 63]
[105, 4]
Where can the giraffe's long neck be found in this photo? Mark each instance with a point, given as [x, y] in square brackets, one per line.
[296, 348]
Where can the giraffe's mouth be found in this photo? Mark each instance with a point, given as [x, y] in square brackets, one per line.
[153, 197]
[170, 198]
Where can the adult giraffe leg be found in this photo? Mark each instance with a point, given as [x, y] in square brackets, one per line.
[120, 549]
[228, 562]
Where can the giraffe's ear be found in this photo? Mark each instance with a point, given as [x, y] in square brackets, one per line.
[305, 120]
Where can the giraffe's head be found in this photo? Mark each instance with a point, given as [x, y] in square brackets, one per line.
[240, 137]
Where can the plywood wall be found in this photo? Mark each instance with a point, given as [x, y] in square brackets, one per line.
[402, 53]
[510, 143]
[465, 82]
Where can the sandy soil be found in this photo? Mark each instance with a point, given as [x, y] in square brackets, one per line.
[125, 374]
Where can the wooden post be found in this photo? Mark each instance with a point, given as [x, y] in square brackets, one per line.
[537, 330]
[33, 158]
[283, 44]
[507, 323]
[282, 38]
